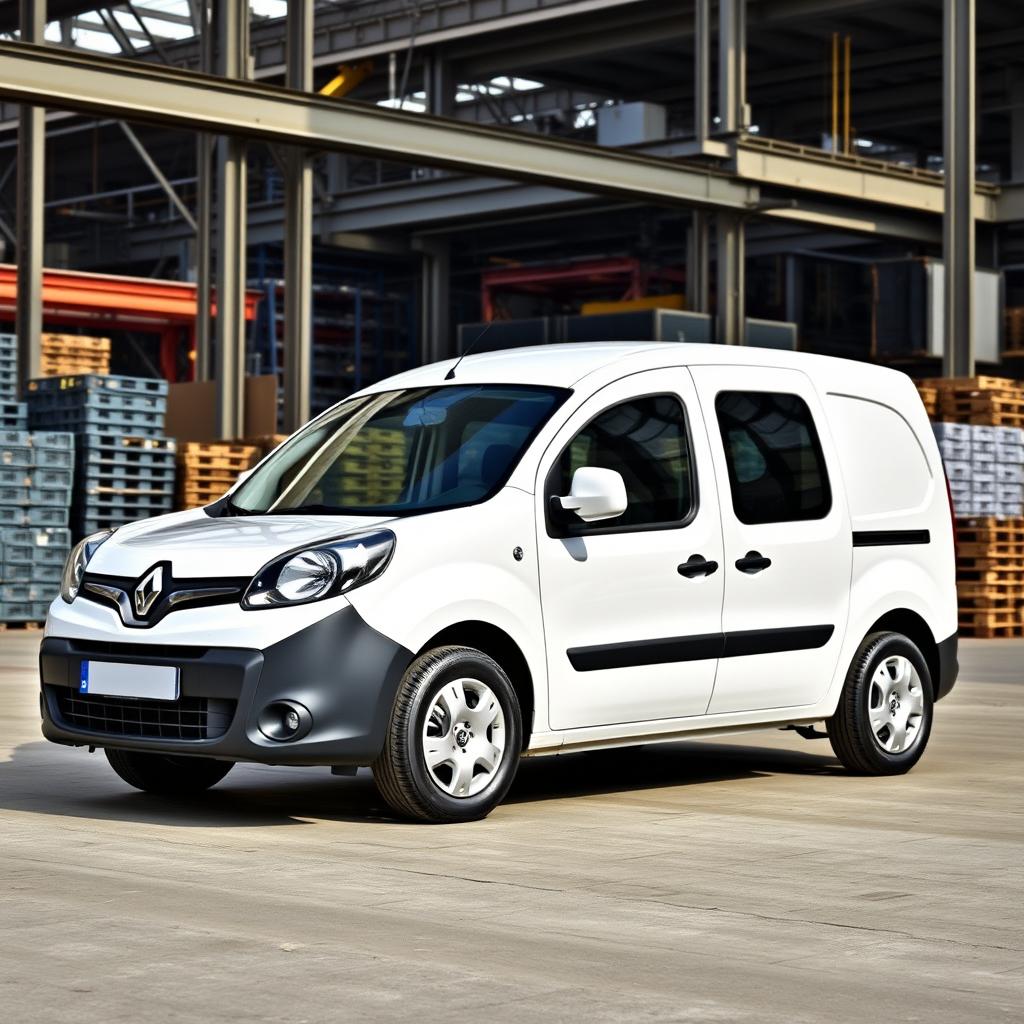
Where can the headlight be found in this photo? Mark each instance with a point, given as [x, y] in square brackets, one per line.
[320, 572]
[74, 567]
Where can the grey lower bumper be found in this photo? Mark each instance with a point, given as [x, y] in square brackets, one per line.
[343, 671]
[949, 665]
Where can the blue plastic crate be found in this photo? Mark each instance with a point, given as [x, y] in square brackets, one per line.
[47, 476]
[18, 611]
[15, 573]
[13, 516]
[47, 576]
[40, 546]
[40, 609]
[43, 515]
[53, 440]
[115, 441]
[16, 457]
[131, 501]
[14, 476]
[49, 495]
[56, 458]
[142, 424]
[14, 494]
[100, 382]
[42, 402]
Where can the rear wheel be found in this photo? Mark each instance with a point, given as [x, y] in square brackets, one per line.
[454, 739]
[167, 774]
[884, 717]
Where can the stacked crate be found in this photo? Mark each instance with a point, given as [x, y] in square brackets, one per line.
[13, 415]
[982, 443]
[125, 464]
[36, 473]
[67, 354]
[207, 471]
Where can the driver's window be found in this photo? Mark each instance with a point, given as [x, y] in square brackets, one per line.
[646, 441]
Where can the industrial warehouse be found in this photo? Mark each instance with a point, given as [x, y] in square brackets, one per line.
[594, 428]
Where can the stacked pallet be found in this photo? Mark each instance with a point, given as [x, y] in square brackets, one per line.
[125, 464]
[991, 401]
[929, 397]
[990, 577]
[67, 354]
[207, 470]
[13, 414]
[36, 473]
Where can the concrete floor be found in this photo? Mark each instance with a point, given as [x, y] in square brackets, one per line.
[740, 880]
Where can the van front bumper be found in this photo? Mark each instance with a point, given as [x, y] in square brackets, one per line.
[342, 671]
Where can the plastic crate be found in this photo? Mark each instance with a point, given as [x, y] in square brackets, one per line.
[13, 415]
[143, 424]
[110, 441]
[46, 476]
[49, 495]
[47, 575]
[40, 609]
[52, 515]
[40, 402]
[19, 611]
[96, 382]
[15, 572]
[53, 440]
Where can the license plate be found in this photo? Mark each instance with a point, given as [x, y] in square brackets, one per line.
[146, 682]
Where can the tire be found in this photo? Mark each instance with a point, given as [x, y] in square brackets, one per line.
[167, 774]
[884, 717]
[424, 772]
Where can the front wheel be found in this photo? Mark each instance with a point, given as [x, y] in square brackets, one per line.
[454, 739]
[884, 717]
[167, 774]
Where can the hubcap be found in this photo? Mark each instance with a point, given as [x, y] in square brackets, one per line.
[896, 705]
[464, 737]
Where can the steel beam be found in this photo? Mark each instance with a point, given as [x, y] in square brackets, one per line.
[732, 66]
[731, 279]
[958, 157]
[161, 178]
[701, 69]
[232, 19]
[298, 233]
[31, 189]
[697, 259]
[438, 84]
[155, 94]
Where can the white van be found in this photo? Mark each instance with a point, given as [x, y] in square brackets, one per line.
[530, 552]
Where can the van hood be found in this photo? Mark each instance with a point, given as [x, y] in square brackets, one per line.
[197, 545]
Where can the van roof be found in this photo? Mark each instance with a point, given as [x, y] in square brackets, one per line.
[565, 365]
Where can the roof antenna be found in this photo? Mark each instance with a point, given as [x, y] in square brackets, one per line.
[450, 375]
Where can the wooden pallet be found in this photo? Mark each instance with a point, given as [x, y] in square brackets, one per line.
[929, 399]
[208, 475]
[265, 443]
[991, 622]
[27, 627]
[989, 595]
[75, 343]
[991, 570]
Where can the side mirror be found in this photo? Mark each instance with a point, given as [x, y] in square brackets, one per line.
[596, 494]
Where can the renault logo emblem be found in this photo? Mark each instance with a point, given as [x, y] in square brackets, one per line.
[148, 589]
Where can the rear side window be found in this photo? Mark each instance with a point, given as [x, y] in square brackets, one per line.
[776, 468]
[646, 441]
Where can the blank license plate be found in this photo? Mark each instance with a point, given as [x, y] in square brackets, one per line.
[147, 682]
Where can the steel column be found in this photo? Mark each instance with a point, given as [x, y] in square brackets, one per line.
[232, 62]
[435, 292]
[31, 188]
[697, 259]
[203, 369]
[438, 85]
[958, 156]
[732, 66]
[731, 279]
[701, 69]
[298, 233]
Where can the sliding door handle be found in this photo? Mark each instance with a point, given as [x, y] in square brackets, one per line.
[697, 565]
[753, 561]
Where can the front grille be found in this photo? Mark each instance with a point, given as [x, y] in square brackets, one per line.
[188, 718]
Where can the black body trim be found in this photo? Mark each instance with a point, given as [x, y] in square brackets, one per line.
[949, 665]
[889, 538]
[737, 644]
[340, 668]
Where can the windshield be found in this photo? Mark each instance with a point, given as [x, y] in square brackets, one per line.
[401, 452]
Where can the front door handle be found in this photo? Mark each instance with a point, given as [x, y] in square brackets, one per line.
[753, 561]
[697, 565]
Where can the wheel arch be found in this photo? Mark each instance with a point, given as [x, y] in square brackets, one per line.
[915, 628]
[497, 644]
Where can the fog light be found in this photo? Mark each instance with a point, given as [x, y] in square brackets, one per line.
[284, 721]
